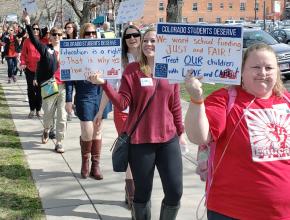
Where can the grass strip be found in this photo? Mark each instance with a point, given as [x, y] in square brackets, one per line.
[19, 197]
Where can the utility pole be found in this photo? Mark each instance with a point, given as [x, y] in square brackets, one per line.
[264, 14]
[255, 10]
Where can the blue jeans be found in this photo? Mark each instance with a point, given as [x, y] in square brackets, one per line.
[12, 66]
[212, 215]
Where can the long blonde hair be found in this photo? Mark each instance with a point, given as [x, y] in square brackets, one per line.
[144, 66]
[278, 88]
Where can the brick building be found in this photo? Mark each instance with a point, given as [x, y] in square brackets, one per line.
[214, 11]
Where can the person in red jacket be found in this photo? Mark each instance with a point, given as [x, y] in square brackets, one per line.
[155, 142]
[28, 62]
[11, 50]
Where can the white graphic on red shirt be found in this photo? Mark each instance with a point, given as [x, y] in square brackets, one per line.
[268, 131]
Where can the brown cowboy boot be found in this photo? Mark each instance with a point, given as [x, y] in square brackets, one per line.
[86, 147]
[95, 157]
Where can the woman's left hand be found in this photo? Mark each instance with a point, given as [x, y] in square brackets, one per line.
[96, 78]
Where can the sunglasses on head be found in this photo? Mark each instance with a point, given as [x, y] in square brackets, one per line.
[35, 29]
[135, 35]
[56, 34]
[88, 33]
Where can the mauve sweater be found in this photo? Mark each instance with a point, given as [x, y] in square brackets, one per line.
[163, 118]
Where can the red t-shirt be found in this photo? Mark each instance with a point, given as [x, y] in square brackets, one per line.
[163, 118]
[252, 181]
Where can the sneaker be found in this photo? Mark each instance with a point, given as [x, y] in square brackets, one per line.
[31, 114]
[44, 137]
[51, 134]
[59, 148]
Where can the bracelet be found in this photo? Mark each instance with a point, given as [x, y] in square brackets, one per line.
[197, 102]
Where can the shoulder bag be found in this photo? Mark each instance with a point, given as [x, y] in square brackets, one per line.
[121, 145]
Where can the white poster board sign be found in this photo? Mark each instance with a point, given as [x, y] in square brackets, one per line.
[29, 5]
[130, 10]
[83, 57]
[211, 51]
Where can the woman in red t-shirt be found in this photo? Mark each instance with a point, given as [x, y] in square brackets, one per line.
[251, 166]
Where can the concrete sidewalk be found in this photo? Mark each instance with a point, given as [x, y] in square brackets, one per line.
[64, 194]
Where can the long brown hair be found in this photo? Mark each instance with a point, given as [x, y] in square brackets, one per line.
[75, 29]
[125, 46]
[144, 66]
[278, 88]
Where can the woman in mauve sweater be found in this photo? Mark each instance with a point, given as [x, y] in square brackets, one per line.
[155, 142]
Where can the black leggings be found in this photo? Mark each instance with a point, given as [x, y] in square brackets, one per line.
[33, 92]
[167, 158]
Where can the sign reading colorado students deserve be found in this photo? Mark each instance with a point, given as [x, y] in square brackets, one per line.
[83, 57]
[210, 51]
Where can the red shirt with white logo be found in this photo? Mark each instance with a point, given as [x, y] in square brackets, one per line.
[252, 181]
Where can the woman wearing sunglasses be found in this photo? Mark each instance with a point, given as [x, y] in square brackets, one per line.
[47, 68]
[28, 60]
[130, 53]
[90, 104]
[155, 142]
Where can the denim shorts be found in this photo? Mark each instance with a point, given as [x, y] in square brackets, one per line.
[88, 107]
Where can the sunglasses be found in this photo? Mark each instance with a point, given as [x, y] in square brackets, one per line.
[135, 35]
[88, 33]
[11, 30]
[68, 27]
[35, 29]
[56, 34]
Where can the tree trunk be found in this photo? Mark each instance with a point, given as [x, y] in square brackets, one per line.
[172, 11]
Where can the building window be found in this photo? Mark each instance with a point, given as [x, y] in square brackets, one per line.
[221, 5]
[209, 6]
[161, 19]
[200, 19]
[230, 5]
[242, 6]
[184, 20]
[194, 7]
[218, 20]
[161, 6]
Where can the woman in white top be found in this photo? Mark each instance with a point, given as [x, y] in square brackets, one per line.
[130, 52]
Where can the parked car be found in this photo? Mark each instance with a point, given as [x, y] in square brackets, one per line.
[281, 35]
[253, 36]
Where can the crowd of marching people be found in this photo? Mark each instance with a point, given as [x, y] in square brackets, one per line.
[245, 183]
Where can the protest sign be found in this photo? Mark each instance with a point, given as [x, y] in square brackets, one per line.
[129, 11]
[83, 57]
[213, 52]
[29, 5]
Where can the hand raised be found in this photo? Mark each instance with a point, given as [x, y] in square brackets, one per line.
[193, 86]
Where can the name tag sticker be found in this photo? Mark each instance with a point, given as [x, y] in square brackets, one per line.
[146, 81]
